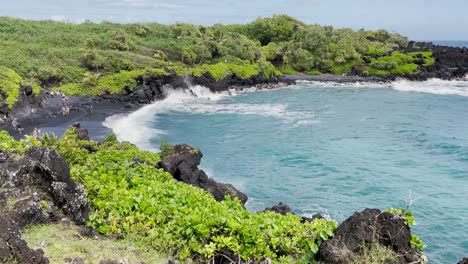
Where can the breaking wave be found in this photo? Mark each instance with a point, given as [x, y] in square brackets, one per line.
[139, 127]
[433, 86]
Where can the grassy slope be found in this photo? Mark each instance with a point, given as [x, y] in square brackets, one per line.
[91, 59]
[61, 242]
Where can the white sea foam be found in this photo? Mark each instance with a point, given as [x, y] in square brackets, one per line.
[434, 86]
[137, 127]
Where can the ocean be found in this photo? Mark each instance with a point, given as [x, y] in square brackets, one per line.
[452, 43]
[330, 148]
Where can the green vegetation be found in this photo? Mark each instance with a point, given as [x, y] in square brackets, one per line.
[93, 59]
[61, 242]
[400, 63]
[134, 200]
[10, 83]
[375, 254]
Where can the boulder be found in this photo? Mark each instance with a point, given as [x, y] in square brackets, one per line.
[183, 164]
[364, 229]
[40, 181]
[35, 188]
[280, 208]
[463, 261]
[305, 219]
[82, 133]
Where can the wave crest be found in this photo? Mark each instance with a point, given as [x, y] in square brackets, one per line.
[138, 127]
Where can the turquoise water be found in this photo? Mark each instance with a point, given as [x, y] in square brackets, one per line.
[332, 149]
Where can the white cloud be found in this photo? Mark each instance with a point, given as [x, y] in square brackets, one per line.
[58, 18]
[151, 4]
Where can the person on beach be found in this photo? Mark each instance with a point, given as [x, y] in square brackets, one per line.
[37, 133]
[15, 124]
[20, 129]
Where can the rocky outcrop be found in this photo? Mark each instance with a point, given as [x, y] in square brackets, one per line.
[183, 164]
[280, 208]
[12, 247]
[82, 133]
[36, 188]
[364, 229]
[463, 261]
[230, 81]
[450, 62]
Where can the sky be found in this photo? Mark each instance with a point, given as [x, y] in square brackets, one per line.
[417, 19]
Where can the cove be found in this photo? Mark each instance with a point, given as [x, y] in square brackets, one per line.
[330, 148]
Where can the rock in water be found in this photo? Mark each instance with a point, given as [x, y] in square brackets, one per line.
[280, 208]
[365, 229]
[463, 261]
[183, 166]
[82, 133]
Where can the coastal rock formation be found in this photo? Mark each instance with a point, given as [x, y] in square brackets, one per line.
[463, 261]
[280, 208]
[35, 188]
[13, 247]
[232, 81]
[183, 164]
[364, 229]
[82, 133]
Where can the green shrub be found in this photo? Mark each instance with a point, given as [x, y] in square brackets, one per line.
[136, 200]
[10, 83]
[396, 64]
[112, 84]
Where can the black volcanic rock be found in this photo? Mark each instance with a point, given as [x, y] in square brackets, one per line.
[280, 208]
[41, 176]
[13, 247]
[364, 229]
[35, 188]
[183, 164]
[463, 261]
[82, 133]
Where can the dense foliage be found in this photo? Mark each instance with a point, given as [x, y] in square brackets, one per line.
[132, 198]
[92, 58]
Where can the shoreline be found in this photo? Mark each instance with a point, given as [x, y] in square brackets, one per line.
[48, 118]
[104, 107]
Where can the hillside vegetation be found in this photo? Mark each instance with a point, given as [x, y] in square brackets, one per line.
[96, 58]
[133, 200]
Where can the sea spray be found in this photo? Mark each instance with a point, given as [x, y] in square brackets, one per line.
[434, 86]
[139, 127]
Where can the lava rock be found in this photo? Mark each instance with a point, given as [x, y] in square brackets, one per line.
[13, 247]
[305, 219]
[280, 208]
[463, 261]
[75, 260]
[364, 229]
[41, 175]
[3, 156]
[183, 166]
[82, 133]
